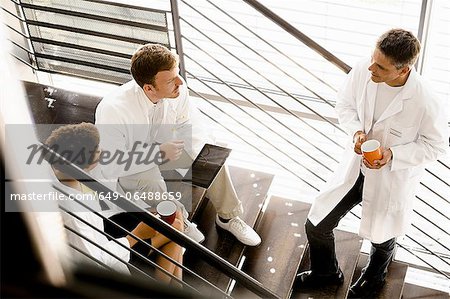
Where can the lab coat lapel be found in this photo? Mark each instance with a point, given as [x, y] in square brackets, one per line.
[406, 93]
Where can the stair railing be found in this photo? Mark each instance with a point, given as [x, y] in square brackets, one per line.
[156, 223]
[218, 80]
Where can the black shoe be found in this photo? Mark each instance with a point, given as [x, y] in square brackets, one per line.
[365, 288]
[310, 279]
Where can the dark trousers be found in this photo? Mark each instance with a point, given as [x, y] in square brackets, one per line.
[322, 245]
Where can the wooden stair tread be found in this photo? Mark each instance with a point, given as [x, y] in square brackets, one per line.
[69, 108]
[348, 247]
[192, 196]
[411, 291]
[252, 188]
[395, 278]
[274, 263]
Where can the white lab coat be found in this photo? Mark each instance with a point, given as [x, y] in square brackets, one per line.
[127, 115]
[413, 126]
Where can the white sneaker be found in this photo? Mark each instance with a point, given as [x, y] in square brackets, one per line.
[191, 230]
[241, 230]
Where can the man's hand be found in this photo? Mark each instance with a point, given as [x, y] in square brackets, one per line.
[377, 164]
[359, 138]
[172, 150]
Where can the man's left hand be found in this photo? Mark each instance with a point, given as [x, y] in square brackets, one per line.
[377, 164]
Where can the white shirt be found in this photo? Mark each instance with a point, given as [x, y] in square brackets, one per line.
[385, 95]
[127, 116]
[85, 230]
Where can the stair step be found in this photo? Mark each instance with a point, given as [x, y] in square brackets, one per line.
[69, 108]
[252, 188]
[411, 291]
[192, 196]
[274, 263]
[348, 247]
[394, 279]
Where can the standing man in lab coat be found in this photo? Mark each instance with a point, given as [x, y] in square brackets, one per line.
[141, 115]
[383, 99]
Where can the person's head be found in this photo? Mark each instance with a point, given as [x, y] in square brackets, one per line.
[78, 143]
[395, 53]
[155, 70]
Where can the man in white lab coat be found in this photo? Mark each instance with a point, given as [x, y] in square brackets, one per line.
[383, 99]
[153, 109]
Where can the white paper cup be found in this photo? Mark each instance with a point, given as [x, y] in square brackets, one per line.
[167, 210]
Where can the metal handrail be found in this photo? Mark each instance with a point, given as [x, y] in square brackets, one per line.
[131, 250]
[107, 251]
[268, 80]
[281, 53]
[164, 228]
[148, 245]
[446, 183]
[298, 35]
[91, 257]
[260, 122]
[437, 194]
[256, 105]
[430, 206]
[428, 220]
[265, 59]
[248, 143]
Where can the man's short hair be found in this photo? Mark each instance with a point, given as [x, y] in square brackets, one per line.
[150, 59]
[400, 46]
[77, 143]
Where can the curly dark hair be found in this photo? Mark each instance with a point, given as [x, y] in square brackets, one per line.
[77, 143]
[399, 45]
[150, 59]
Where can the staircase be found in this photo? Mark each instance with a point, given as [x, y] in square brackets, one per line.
[279, 221]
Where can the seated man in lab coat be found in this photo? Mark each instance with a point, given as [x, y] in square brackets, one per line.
[386, 100]
[140, 115]
[79, 144]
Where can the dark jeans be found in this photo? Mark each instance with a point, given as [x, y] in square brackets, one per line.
[322, 246]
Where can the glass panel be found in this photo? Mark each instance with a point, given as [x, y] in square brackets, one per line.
[110, 11]
[82, 71]
[98, 26]
[83, 39]
[102, 59]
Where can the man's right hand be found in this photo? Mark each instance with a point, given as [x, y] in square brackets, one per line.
[172, 150]
[359, 138]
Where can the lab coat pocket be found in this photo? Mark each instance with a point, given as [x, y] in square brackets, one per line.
[399, 134]
[402, 190]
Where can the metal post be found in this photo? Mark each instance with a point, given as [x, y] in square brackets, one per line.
[177, 32]
[422, 31]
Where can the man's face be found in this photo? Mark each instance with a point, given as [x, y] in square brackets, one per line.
[383, 70]
[167, 84]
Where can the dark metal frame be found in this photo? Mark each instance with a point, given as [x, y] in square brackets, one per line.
[177, 33]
